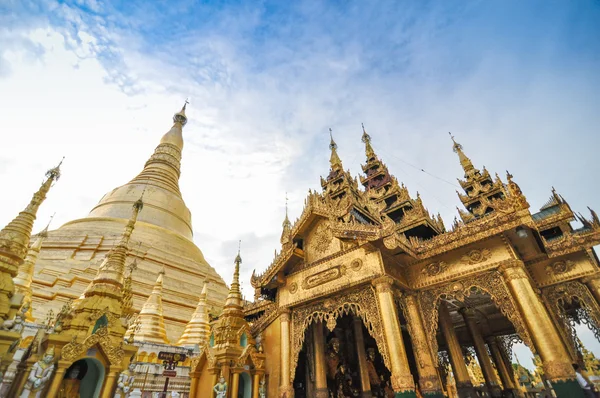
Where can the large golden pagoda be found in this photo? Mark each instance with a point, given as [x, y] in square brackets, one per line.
[70, 255]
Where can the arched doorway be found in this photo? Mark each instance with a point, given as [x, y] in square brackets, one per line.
[245, 390]
[84, 377]
[341, 359]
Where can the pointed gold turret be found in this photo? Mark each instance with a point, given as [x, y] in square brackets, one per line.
[198, 328]
[14, 240]
[287, 225]
[151, 320]
[465, 162]
[366, 138]
[160, 180]
[111, 273]
[334, 160]
[25, 276]
[232, 317]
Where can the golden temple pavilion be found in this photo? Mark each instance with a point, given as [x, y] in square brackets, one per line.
[369, 296]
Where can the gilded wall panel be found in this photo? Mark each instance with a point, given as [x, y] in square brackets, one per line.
[349, 269]
[272, 348]
[320, 243]
[560, 269]
[480, 257]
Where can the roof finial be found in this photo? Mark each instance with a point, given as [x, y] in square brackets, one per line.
[465, 162]
[366, 138]
[180, 117]
[334, 160]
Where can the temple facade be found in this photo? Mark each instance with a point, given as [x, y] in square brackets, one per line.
[371, 295]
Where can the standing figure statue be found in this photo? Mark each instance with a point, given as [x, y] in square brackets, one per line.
[39, 375]
[262, 390]
[374, 378]
[69, 387]
[221, 388]
[125, 382]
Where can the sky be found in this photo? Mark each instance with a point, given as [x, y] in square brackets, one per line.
[97, 81]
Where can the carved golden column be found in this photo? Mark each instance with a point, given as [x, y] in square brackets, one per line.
[503, 371]
[195, 376]
[285, 384]
[320, 366]
[109, 382]
[59, 374]
[235, 384]
[402, 380]
[255, 385]
[482, 355]
[365, 384]
[457, 360]
[593, 283]
[429, 379]
[543, 333]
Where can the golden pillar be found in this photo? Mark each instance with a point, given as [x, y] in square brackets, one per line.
[59, 374]
[593, 283]
[320, 366]
[402, 380]
[503, 372]
[457, 360]
[365, 384]
[484, 359]
[195, 376]
[429, 379]
[255, 385]
[285, 385]
[543, 333]
[235, 384]
[109, 383]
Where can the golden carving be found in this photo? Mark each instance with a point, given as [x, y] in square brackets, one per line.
[361, 302]
[434, 268]
[324, 276]
[356, 264]
[322, 237]
[490, 283]
[559, 267]
[558, 371]
[114, 352]
[293, 287]
[476, 256]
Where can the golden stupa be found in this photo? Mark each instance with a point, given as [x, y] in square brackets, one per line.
[70, 256]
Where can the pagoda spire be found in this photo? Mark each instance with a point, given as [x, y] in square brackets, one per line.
[465, 162]
[24, 278]
[234, 298]
[110, 276]
[287, 225]
[15, 237]
[334, 160]
[198, 328]
[366, 138]
[151, 319]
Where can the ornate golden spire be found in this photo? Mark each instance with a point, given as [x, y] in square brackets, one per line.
[151, 320]
[198, 328]
[160, 178]
[25, 276]
[234, 298]
[109, 279]
[14, 240]
[366, 138]
[334, 160]
[287, 225]
[465, 162]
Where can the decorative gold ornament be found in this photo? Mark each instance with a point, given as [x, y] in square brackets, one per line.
[476, 256]
[435, 268]
[559, 267]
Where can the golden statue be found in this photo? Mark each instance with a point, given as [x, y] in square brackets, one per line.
[70, 385]
[39, 375]
[333, 358]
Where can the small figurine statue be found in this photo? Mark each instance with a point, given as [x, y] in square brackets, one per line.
[333, 358]
[262, 390]
[39, 375]
[14, 325]
[374, 378]
[70, 385]
[220, 388]
[125, 382]
[259, 346]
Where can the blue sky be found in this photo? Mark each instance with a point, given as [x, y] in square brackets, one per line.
[97, 81]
